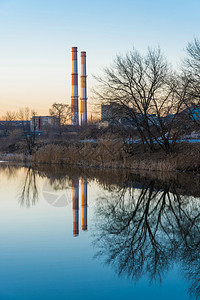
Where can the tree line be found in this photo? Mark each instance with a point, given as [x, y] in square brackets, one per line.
[60, 112]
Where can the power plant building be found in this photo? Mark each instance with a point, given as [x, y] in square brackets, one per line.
[39, 123]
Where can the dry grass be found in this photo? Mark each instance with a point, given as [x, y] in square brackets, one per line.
[105, 154]
[110, 154]
[53, 154]
[17, 157]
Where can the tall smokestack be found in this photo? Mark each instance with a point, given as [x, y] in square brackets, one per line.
[83, 102]
[84, 203]
[74, 99]
[75, 203]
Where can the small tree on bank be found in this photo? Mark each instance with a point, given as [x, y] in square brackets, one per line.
[29, 133]
[62, 113]
[9, 118]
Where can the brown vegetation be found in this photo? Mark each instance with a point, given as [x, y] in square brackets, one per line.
[111, 154]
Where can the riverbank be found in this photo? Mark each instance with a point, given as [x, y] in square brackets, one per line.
[106, 154]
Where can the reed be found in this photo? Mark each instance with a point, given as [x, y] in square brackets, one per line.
[110, 154]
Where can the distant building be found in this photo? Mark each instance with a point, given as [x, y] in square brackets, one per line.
[115, 113]
[12, 124]
[106, 112]
[193, 112]
[39, 123]
[6, 127]
[112, 112]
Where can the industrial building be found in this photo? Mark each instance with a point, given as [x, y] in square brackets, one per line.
[114, 113]
[39, 123]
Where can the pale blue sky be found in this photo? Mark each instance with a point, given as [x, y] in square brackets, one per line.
[36, 39]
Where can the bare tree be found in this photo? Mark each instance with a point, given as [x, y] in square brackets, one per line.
[9, 118]
[192, 67]
[145, 89]
[191, 75]
[62, 113]
[29, 133]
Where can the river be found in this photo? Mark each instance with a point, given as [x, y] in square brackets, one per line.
[69, 233]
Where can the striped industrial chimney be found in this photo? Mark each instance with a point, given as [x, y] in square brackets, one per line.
[84, 203]
[83, 99]
[74, 98]
[75, 208]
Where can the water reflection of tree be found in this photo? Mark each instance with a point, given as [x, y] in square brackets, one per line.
[60, 184]
[143, 231]
[28, 194]
[9, 171]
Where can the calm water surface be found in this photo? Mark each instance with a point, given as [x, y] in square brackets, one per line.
[69, 234]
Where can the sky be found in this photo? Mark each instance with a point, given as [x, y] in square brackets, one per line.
[36, 37]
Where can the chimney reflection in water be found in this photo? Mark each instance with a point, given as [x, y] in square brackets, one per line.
[84, 203]
[75, 201]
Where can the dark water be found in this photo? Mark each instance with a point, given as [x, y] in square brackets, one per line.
[86, 234]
